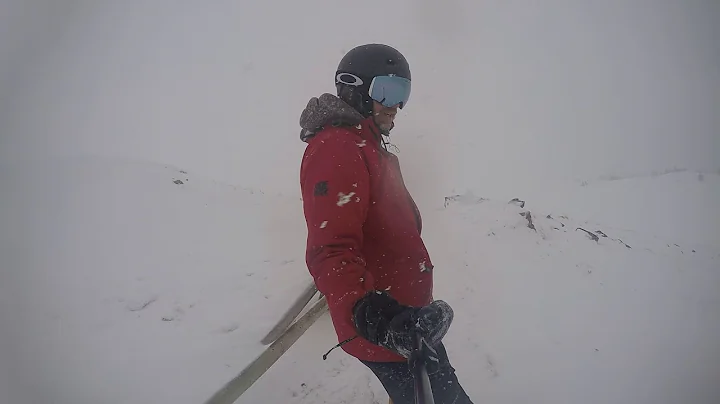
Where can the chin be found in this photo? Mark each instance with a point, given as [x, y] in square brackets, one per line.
[384, 127]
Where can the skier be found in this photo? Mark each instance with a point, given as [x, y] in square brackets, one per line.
[364, 248]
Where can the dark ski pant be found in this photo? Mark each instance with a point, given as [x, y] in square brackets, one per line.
[398, 381]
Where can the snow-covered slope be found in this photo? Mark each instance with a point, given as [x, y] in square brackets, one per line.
[118, 281]
[131, 282]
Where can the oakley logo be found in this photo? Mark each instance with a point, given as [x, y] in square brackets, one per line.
[349, 79]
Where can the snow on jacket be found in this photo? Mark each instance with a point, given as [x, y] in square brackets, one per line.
[363, 225]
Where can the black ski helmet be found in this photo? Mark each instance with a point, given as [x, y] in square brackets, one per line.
[360, 65]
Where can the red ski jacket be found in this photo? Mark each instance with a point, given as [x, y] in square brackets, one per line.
[363, 229]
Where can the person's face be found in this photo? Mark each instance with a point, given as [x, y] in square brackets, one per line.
[384, 116]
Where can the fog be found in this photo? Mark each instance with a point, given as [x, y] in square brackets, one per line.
[509, 98]
[505, 94]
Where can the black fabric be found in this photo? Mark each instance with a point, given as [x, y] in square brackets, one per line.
[383, 321]
[397, 379]
[357, 97]
[373, 313]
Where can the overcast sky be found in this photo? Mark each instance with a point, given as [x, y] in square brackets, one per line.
[504, 92]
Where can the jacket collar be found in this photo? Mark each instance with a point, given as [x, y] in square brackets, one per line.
[369, 131]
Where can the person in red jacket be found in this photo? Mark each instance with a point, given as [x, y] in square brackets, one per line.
[364, 245]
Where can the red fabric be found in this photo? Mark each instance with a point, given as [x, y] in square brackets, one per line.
[363, 229]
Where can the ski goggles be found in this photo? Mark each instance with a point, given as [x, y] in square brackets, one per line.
[390, 90]
[387, 90]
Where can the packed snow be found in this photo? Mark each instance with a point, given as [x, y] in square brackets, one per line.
[564, 156]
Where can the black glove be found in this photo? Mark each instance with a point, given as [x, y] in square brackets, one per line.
[383, 321]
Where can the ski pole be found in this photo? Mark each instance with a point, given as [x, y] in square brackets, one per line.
[418, 363]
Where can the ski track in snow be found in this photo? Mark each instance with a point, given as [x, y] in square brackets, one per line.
[122, 278]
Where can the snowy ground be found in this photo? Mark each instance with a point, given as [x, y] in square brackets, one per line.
[122, 286]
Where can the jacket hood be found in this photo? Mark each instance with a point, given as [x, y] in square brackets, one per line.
[323, 110]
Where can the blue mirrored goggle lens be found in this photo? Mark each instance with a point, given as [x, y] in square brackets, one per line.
[390, 90]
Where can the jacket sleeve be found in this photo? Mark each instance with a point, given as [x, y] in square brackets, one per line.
[335, 189]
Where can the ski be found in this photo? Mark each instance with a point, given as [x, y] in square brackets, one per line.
[297, 307]
[233, 389]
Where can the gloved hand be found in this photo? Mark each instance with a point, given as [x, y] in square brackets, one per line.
[383, 321]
